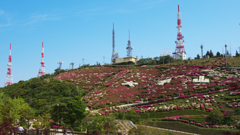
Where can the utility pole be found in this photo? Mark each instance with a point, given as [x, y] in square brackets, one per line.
[103, 60]
[58, 116]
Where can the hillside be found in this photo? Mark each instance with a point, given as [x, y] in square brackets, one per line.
[103, 84]
[216, 61]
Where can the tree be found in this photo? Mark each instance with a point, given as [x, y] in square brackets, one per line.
[211, 54]
[43, 121]
[237, 54]
[103, 124]
[215, 116]
[6, 126]
[120, 115]
[218, 54]
[70, 110]
[146, 61]
[198, 56]
[133, 116]
[208, 53]
[56, 71]
[16, 108]
[26, 113]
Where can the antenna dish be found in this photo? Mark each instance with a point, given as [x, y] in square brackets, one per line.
[166, 52]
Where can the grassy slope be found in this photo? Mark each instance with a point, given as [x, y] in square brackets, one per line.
[201, 62]
[188, 128]
[173, 113]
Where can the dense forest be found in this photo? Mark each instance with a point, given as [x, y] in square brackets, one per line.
[40, 93]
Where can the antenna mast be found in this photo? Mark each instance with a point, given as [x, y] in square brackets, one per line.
[103, 60]
[114, 55]
[60, 65]
[230, 50]
[129, 48]
[9, 73]
[72, 64]
[202, 50]
[42, 70]
[226, 51]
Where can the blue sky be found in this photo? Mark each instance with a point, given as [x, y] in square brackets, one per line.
[77, 29]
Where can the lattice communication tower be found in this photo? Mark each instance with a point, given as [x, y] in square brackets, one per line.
[129, 48]
[9, 73]
[42, 70]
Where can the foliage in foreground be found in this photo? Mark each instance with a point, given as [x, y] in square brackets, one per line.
[14, 109]
[70, 110]
[100, 124]
[6, 126]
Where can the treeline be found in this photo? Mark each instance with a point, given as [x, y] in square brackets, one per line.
[218, 54]
[41, 93]
[156, 60]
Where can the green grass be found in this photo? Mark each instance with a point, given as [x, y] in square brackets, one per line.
[173, 113]
[197, 119]
[198, 62]
[175, 125]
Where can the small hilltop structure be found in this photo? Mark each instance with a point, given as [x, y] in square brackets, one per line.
[129, 58]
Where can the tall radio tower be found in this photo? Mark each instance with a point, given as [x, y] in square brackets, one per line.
[179, 51]
[9, 73]
[202, 50]
[114, 55]
[129, 48]
[42, 70]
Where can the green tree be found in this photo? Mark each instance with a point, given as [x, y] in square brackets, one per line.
[237, 54]
[133, 116]
[198, 56]
[208, 53]
[120, 115]
[216, 116]
[218, 54]
[211, 54]
[146, 61]
[103, 124]
[43, 121]
[16, 108]
[26, 113]
[70, 110]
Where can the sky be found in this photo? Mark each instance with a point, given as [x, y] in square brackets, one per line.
[81, 29]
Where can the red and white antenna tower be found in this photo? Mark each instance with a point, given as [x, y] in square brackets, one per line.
[42, 70]
[9, 73]
[180, 52]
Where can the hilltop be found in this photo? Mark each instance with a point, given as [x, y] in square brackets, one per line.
[103, 84]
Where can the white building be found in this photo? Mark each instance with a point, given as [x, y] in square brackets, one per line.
[126, 59]
[180, 56]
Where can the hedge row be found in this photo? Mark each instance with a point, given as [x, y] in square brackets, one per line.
[231, 97]
[175, 125]
[172, 113]
[197, 119]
